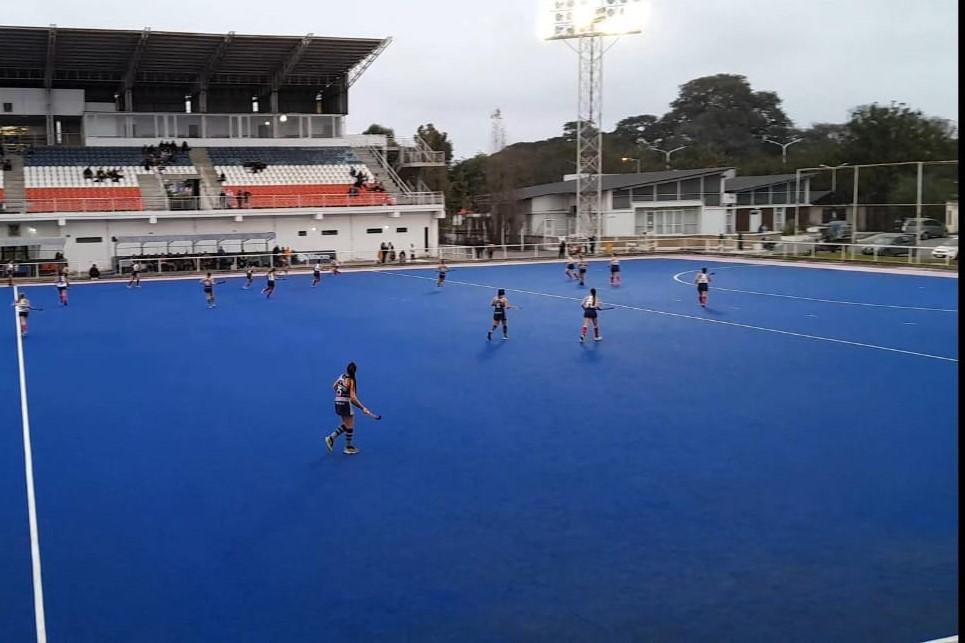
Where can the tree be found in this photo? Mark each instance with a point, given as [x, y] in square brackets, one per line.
[722, 112]
[436, 140]
[375, 128]
[634, 128]
[436, 178]
[878, 134]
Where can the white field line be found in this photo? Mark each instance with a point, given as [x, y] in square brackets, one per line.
[652, 311]
[677, 278]
[31, 495]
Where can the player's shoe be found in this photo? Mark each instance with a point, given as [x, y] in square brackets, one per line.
[350, 450]
[330, 443]
[598, 338]
[505, 337]
[581, 339]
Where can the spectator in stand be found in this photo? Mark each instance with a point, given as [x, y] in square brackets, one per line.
[562, 247]
[185, 148]
[94, 273]
[222, 178]
[88, 173]
[592, 244]
[100, 176]
[383, 248]
[223, 200]
[391, 252]
[229, 195]
[247, 199]
[402, 256]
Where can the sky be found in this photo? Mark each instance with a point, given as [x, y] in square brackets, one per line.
[452, 63]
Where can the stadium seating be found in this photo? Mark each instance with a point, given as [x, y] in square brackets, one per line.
[295, 177]
[54, 180]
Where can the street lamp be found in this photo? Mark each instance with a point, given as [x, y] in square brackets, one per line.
[666, 153]
[627, 159]
[783, 146]
[834, 175]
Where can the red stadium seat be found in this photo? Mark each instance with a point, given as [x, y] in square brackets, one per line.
[98, 199]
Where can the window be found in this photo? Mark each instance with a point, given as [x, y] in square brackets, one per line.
[621, 199]
[89, 239]
[8, 107]
[401, 230]
[667, 191]
[13, 230]
[642, 194]
[302, 233]
[373, 231]
[762, 196]
[675, 221]
[690, 190]
[780, 219]
[329, 233]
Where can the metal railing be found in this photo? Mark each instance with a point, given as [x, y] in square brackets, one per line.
[204, 202]
[751, 246]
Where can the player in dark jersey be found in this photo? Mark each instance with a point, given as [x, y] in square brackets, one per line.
[207, 285]
[591, 304]
[249, 277]
[316, 274]
[615, 278]
[582, 269]
[270, 285]
[500, 305]
[570, 268]
[443, 269]
[345, 398]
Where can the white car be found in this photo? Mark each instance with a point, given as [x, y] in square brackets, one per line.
[948, 250]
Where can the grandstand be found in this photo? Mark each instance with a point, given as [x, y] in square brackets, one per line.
[131, 133]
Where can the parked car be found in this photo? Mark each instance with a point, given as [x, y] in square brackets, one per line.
[888, 244]
[926, 228]
[948, 250]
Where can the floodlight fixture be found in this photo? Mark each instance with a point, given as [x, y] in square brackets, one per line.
[566, 19]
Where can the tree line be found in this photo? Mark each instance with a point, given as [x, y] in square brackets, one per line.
[718, 121]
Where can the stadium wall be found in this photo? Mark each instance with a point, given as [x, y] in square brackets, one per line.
[88, 238]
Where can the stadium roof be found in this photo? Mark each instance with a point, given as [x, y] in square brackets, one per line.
[618, 181]
[743, 183]
[77, 58]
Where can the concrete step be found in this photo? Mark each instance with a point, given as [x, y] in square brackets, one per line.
[210, 188]
[152, 191]
[13, 183]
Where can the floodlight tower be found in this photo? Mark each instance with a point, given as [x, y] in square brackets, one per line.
[498, 141]
[589, 22]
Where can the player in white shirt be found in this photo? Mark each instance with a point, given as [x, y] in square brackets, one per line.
[703, 286]
[135, 281]
[316, 274]
[23, 307]
[591, 304]
[62, 285]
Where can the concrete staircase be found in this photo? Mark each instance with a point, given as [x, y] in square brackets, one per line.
[152, 192]
[210, 188]
[388, 178]
[13, 185]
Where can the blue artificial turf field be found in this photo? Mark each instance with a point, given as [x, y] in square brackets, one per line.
[683, 480]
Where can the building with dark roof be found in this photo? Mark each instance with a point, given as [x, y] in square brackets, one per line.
[697, 201]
